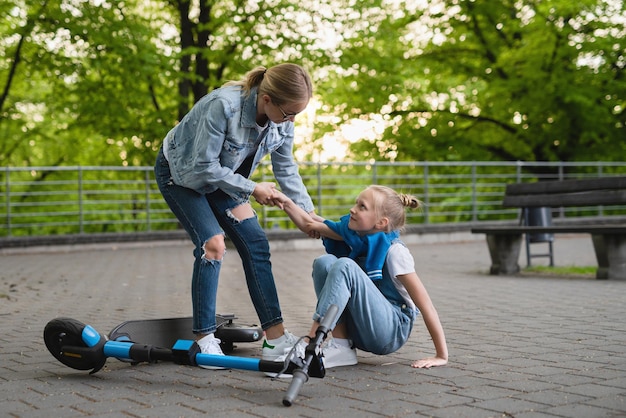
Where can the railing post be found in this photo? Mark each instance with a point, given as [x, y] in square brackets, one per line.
[8, 200]
[81, 228]
[374, 173]
[561, 177]
[426, 197]
[601, 207]
[474, 203]
[147, 188]
[319, 188]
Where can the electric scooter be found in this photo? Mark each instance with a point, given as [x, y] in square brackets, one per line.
[81, 347]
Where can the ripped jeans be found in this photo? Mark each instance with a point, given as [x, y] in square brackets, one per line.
[204, 216]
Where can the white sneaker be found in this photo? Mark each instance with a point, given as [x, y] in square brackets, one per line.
[337, 355]
[279, 352]
[210, 345]
[284, 346]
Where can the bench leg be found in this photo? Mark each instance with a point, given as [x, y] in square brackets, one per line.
[504, 250]
[611, 255]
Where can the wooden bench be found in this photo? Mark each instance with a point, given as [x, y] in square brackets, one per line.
[608, 233]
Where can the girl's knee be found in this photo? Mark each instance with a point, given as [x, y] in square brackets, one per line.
[214, 248]
[344, 263]
[324, 262]
[321, 266]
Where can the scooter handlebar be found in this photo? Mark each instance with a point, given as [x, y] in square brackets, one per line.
[301, 375]
[329, 317]
[298, 379]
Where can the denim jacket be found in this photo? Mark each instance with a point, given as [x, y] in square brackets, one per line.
[217, 135]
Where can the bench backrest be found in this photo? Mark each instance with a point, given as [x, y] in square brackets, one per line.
[585, 192]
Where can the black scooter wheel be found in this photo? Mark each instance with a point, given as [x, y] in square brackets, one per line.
[239, 333]
[64, 332]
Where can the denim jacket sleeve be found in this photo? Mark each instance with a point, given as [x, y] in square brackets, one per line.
[287, 173]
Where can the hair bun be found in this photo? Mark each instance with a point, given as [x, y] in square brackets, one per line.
[410, 201]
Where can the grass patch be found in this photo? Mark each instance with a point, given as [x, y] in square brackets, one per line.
[579, 271]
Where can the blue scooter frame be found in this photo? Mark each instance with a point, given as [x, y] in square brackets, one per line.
[81, 347]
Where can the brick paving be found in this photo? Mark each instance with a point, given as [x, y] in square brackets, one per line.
[520, 346]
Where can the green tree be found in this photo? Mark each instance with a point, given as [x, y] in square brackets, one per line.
[221, 40]
[96, 82]
[485, 80]
[83, 84]
[93, 82]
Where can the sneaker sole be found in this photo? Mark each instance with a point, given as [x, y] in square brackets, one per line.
[332, 366]
[213, 367]
[276, 376]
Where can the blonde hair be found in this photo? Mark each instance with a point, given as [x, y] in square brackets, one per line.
[390, 204]
[284, 83]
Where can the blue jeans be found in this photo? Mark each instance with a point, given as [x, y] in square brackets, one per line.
[204, 216]
[373, 323]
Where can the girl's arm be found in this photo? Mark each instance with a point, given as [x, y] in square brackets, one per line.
[303, 220]
[420, 297]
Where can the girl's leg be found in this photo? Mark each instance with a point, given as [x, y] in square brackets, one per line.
[372, 322]
[242, 226]
[321, 266]
[197, 217]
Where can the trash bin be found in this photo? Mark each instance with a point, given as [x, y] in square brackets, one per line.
[541, 216]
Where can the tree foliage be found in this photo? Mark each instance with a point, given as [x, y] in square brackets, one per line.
[97, 82]
[86, 78]
[483, 80]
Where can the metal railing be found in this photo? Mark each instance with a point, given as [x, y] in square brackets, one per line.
[77, 200]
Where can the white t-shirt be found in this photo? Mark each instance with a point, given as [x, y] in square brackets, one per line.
[400, 261]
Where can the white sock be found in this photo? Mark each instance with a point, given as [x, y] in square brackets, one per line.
[277, 341]
[344, 342]
[205, 339]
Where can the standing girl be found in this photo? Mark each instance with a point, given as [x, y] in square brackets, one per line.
[203, 171]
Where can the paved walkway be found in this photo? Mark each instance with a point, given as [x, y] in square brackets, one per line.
[525, 346]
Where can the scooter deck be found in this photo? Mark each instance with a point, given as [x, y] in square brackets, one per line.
[165, 332]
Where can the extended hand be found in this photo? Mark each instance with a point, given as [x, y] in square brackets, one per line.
[263, 192]
[428, 362]
[279, 199]
[316, 218]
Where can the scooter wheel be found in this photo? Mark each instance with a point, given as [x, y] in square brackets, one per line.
[238, 333]
[63, 332]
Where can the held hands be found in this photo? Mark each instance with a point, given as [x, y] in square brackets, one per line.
[428, 362]
[279, 199]
[264, 193]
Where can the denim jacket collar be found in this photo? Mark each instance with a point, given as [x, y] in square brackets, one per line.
[248, 110]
